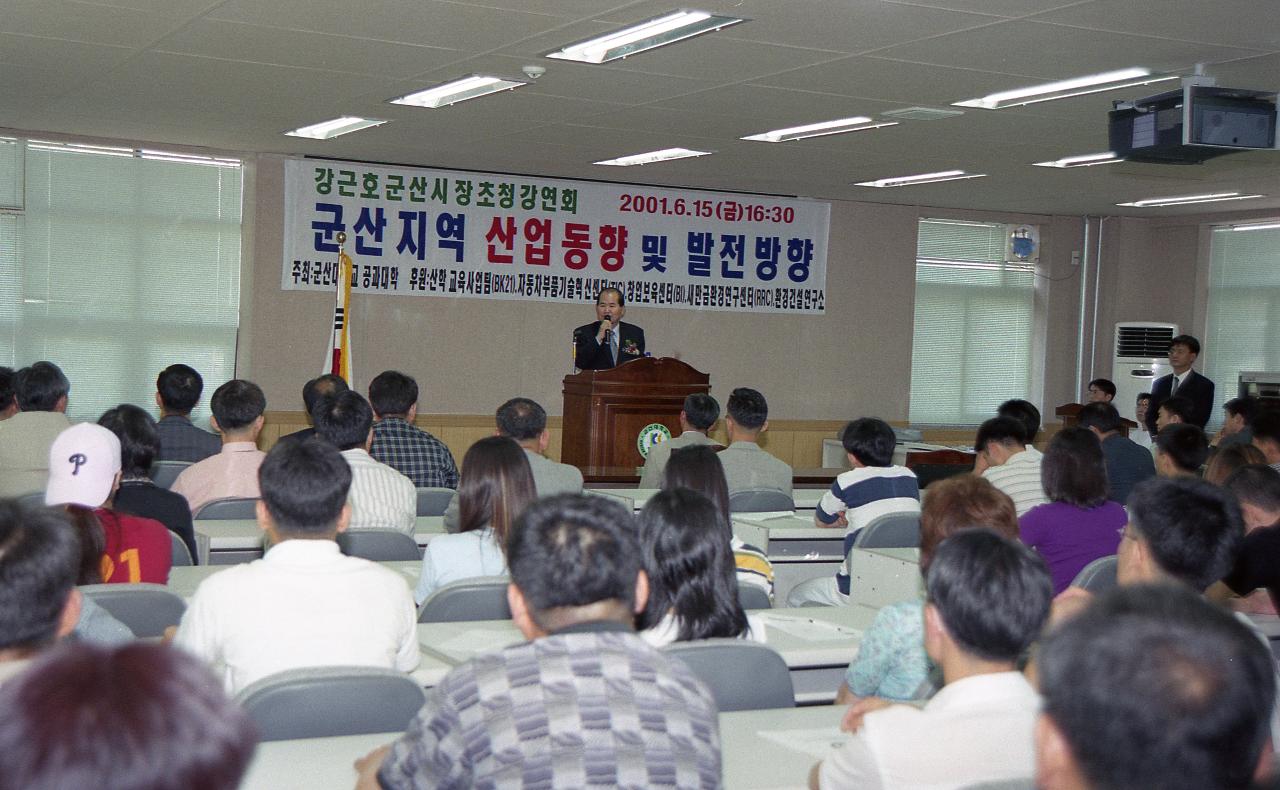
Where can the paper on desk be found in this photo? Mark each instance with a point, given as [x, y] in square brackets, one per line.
[809, 629]
[473, 642]
[816, 742]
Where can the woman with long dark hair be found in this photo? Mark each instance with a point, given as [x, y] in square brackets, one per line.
[494, 488]
[693, 590]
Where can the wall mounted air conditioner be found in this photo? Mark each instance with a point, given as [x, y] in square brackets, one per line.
[1141, 357]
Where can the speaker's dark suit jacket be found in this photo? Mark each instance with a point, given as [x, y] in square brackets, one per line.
[590, 355]
[1195, 388]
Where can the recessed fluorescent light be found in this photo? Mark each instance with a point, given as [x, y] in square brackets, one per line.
[841, 126]
[326, 130]
[1257, 226]
[653, 156]
[470, 87]
[1084, 160]
[190, 159]
[667, 29]
[79, 148]
[923, 178]
[1077, 86]
[1216, 197]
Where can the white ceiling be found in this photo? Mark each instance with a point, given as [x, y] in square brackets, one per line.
[233, 74]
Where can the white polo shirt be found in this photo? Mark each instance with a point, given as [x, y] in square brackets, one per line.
[1019, 477]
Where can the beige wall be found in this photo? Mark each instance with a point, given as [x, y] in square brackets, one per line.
[469, 355]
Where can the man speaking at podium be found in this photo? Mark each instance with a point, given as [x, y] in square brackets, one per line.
[608, 342]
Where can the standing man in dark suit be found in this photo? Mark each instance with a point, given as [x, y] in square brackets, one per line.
[608, 342]
[1183, 382]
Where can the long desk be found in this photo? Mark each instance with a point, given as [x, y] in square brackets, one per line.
[228, 541]
[806, 499]
[759, 749]
[798, 549]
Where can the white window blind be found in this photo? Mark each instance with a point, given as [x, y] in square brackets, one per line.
[1243, 318]
[119, 265]
[974, 317]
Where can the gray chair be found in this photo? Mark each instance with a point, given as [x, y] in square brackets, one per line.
[434, 501]
[753, 597]
[320, 702]
[741, 675]
[890, 531]
[34, 499]
[481, 598]
[760, 500]
[179, 554]
[147, 609]
[228, 509]
[163, 473]
[379, 545]
[1098, 576]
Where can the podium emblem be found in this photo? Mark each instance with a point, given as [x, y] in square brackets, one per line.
[650, 435]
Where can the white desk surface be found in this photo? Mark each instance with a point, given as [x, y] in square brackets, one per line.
[784, 526]
[759, 749]
[183, 580]
[246, 535]
[806, 499]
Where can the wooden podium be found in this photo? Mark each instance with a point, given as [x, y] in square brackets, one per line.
[605, 410]
[1070, 412]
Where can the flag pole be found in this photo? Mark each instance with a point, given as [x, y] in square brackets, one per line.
[340, 344]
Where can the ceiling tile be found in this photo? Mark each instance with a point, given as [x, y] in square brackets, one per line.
[92, 24]
[1235, 23]
[60, 56]
[893, 80]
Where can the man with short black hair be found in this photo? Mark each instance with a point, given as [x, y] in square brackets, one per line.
[1174, 411]
[608, 342]
[1236, 428]
[305, 603]
[40, 392]
[1102, 391]
[8, 399]
[1128, 463]
[39, 602]
[1009, 462]
[237, 409]
[1026, 413]
[400, 444]
[178, 389]
[872, 487]
[697, 418]
[1180, 529]
[381, 497]
[987, 597]
[525, 421]
[1266, 436]
[1141, 407]
[1182, 382]
[585, 702]
[1181, 450]
[1151, 688]
[317, 389]
[747, 467]
[1257, 489]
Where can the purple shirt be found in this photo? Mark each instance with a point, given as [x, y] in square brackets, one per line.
[1069, 537]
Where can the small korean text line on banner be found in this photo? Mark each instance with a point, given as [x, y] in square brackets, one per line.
[427, 232]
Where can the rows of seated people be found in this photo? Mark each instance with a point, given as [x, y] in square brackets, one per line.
[1003, 673]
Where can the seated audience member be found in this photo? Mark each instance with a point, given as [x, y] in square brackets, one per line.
[137, 495]
[39, 602]
[746, 466]
[8, 400]
[305, 603]
[1236, 428]
[381, 497]
[1077, 525]
[1181, 450]
[1227, 460]
[137, 717]
[401, 445]
[1266, 435]
[698, 468]
[1142, 435]
[314, 391]
[1257, 565]
[1009, 463]
[1025, 413]
[987, 599]
[1151, 688]
[1174, 411]
[697, 418]
[626, 714]
[891, 662]
[1101, 391]
[872, 487]
[1180, 530]
[84, 469]
[178, 389]
[496, 487]
[693, 591]
[1128, 463]
[95, 624]
[526, 422]
[41, 394]
[237, 413]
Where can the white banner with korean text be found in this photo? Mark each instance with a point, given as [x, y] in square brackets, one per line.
[434, 232]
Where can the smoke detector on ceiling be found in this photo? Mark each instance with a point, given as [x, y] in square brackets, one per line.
[920, 114]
